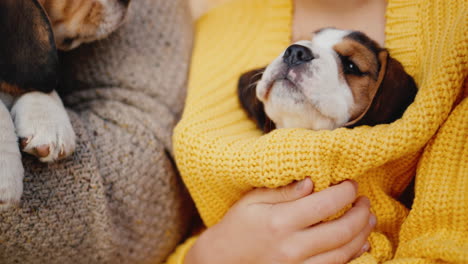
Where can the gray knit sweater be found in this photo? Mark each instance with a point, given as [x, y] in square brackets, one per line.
[118, 199]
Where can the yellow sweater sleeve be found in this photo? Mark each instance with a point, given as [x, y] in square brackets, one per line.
[437, 226]
[178, 256]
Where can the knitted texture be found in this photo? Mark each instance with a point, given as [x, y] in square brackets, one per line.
[437, 226]
[118, 199]
[221, 154]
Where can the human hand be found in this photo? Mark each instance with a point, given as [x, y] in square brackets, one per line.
[283, 225]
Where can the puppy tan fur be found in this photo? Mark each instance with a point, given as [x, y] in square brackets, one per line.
[80, 21]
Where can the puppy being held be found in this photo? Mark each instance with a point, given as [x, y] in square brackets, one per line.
[339, 78]
[30, 109]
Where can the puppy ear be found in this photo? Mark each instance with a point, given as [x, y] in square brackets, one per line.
[28, 57]
[246, 90]
[393, 92]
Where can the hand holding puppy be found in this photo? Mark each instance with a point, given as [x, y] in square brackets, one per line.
[283, 225]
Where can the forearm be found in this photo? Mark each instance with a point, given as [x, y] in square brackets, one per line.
[437, 226]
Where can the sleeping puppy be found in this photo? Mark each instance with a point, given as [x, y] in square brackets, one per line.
[338, 78]
[29, 75]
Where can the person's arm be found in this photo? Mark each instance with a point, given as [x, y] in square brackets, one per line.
[284, 226]
[118, 198]
[200, 7]
[437, 226]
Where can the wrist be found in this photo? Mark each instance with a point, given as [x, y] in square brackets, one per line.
[197, 254]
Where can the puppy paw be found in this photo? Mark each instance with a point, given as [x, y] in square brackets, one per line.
[11, 179]
[43, 126]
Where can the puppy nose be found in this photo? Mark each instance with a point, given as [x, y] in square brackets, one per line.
[296, 55]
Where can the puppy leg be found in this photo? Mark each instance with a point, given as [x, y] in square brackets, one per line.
[11, 169]
[43, 126]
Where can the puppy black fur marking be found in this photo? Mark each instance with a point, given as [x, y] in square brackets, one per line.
[28, 56]
[30, 109]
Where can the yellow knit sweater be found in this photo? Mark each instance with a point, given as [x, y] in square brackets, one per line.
[221, 155]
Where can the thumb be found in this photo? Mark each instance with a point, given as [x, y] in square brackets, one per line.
[288, 193]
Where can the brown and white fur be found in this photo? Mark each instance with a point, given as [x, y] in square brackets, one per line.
[30, 109]
[81, 21]
[338, 78]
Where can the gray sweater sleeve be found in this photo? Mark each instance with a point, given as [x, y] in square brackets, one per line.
[118, 199]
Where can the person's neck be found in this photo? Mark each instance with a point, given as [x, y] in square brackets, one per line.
[334, 6]
[363, 15]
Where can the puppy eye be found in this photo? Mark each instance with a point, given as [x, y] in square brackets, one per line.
[349, 67]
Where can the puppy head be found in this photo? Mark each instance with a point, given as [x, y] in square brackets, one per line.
[28, 57]
[80, 21]
[338, 78]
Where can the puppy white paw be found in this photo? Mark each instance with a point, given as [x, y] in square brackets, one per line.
[11, 179]
[11, 169]
[43, 126]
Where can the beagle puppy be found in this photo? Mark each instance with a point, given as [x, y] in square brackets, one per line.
[30, 109]
[81, 21]
[339, 78]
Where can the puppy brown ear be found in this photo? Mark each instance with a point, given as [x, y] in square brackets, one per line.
[246, 90]
[28, 57]
[393, 92]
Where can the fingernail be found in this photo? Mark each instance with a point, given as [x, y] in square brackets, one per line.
[303, 183]
[366, 247]
[372, 220]
[300, 185]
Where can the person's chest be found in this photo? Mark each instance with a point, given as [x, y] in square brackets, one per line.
[308, 17]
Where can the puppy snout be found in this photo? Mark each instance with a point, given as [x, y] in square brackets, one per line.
[296, 55]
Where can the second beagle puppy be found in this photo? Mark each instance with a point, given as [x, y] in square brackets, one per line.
[338, 78]
[80, 21]
[30, 109]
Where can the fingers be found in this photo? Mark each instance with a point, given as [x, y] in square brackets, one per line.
[344, 254]
[314, 208]
[287, 193]
[333, 234]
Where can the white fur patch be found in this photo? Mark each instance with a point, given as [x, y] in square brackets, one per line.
[11, 168]
[42, 119]
[114, 15]
[328, 38]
